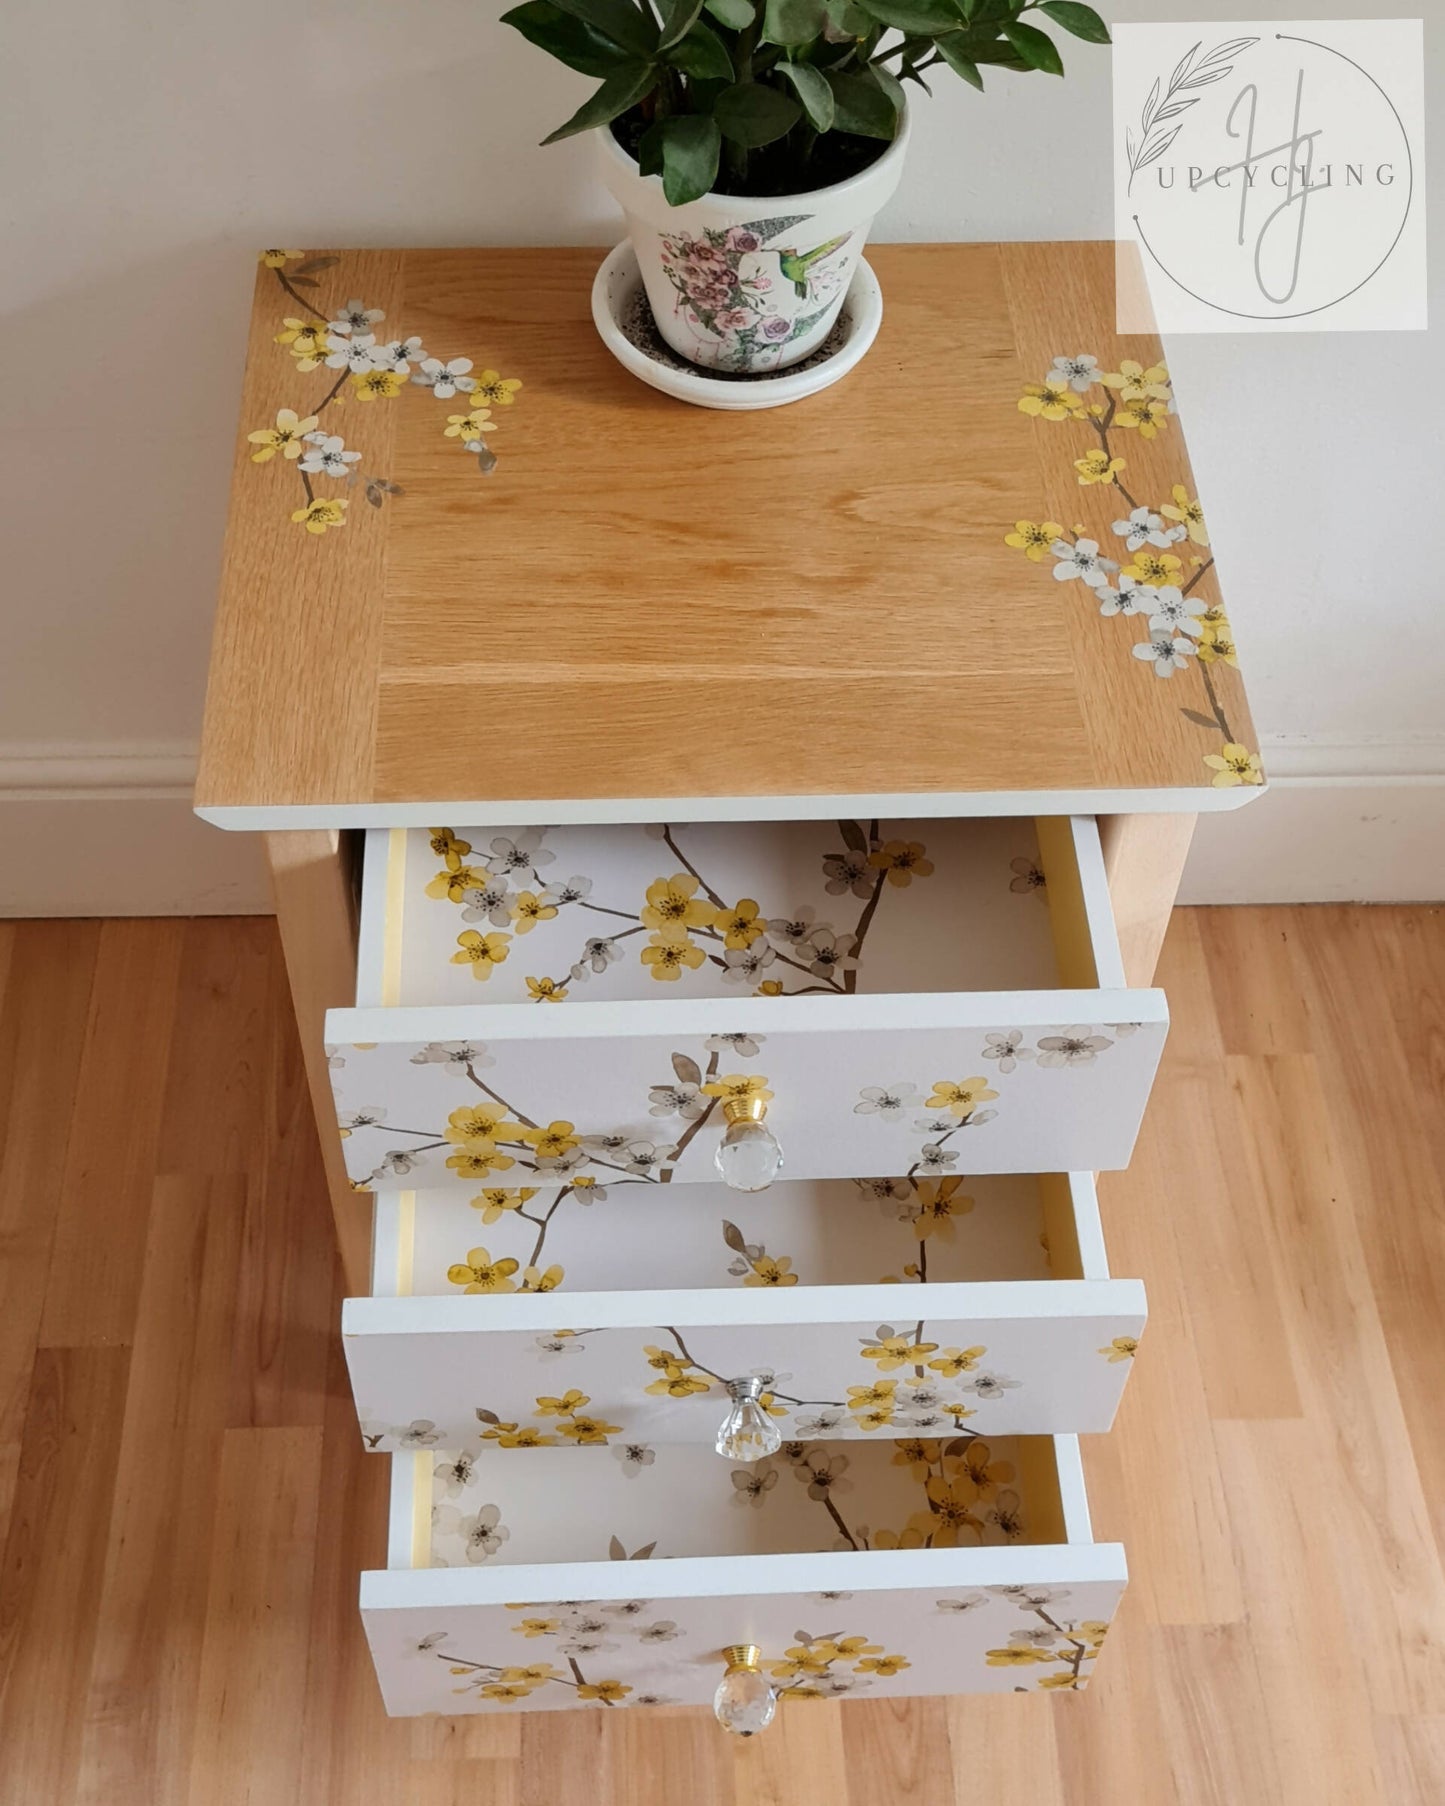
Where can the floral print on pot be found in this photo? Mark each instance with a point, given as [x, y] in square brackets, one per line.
[744, 284]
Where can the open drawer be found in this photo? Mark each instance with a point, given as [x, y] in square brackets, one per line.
[583, 1003]
[871, 1310]
[590, 1577]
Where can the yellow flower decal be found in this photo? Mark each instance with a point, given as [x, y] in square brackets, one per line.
[1097, 467]
[273, 260]
[570, 1401]
[480, 1273]
[673, 903]
[1019, 1655]
[961, 1097]
[538, 1627]
[482, 952]
[739, 1087]
[588, 1429]
[983, 1473]
[1154, 568]
[1216, 647]
[496, 1201]
[903, 861]
[954, 1361]
[1033, 538]
[1132, 380]
[918, 1454]
[675, 1383]
[883, 1664]
[1234, 765]
[1187, 511]
[469, 426]
[611, 1691]
[479, 1160]
[546, 990]
[939, 1202]
[509, 1436]
[307, 339]
[534, 1280]
[1122, 1348]
[445, 845]
[1050, 400]
[769, 1272]
[898, 1351]
[478, 1122]
[739, 926]
[952, 1503]
[497, 391]
[377, 385]
[317, 516]
[1141, 414]
[285, 437]
[669, 951]
[454, 883]
[551, 1143]
[877, 1395]
[528, 909]
[502, 1690]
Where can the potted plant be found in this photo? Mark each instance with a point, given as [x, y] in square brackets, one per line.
[750, 143]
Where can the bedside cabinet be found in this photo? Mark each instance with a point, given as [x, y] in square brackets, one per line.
[770, 825]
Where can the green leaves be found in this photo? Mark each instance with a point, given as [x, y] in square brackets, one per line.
[793, 23]
[572, 41]
[950, 48]
[702, 53]
[1082, 21]
[813, 92]
[750, 71]
[619, 20]
[923, 16]
[1035, 47]
[690, 145]
[677, 20]
[614, 97]
[752, 114]
[862, 106]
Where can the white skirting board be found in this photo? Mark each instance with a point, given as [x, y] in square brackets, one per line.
[106, 829]
[1358, 821]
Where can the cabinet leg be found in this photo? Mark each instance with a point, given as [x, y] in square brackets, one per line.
[1144, 859]
[316, 914]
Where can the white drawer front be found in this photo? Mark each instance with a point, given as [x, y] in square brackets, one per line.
[1022, 1599]
[555, 1095]
[1042, 1340]
[998, 1020]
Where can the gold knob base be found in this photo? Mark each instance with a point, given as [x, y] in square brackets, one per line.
[745, 1656]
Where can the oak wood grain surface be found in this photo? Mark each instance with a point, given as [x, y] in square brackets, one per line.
[646, 599]
[188, 1507]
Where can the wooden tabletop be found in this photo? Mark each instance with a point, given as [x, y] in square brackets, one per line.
[732, 612]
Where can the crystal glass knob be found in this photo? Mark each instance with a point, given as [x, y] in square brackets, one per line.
[744, 1702]
[747, 1433]
[748, 1157]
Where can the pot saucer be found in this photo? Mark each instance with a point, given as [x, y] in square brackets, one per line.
[624, 321]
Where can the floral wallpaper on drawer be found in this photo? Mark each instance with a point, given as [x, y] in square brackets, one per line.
[633, 1649]
[548, 915]
[365, 359]
[577, 1386]
[588, 1113]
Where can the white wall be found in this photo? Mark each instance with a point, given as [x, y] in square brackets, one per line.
[149, 147]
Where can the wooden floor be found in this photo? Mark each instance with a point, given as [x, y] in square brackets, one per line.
[188, 1507]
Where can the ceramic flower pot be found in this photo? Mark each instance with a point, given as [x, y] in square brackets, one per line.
[744, 284]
